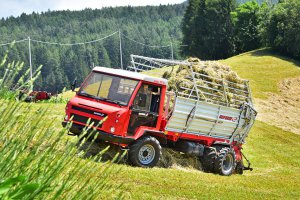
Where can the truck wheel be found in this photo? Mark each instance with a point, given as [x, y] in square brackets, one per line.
[225, 162]
[208, 159]
[145, 152]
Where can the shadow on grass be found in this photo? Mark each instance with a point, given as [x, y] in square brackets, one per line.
[113, 153]
[105, 151]
[274, 53]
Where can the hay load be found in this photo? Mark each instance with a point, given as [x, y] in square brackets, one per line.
[215, 83]
[196, 80]
[218, 84]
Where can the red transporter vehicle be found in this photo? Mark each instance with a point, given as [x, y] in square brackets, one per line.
[38, 96]
[139, 118]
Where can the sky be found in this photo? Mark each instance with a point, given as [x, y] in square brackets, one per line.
[17, 7]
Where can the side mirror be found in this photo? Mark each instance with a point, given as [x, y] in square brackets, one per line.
[73, 85]
[131, 107]
[142, 100]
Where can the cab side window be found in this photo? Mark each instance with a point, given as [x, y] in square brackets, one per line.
[145, 108]
[147, 98]
[141, 101]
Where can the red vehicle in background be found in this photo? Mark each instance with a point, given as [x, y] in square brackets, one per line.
[139, 117]
[38, 96]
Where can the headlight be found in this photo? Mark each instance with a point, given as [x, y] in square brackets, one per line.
[112, 129]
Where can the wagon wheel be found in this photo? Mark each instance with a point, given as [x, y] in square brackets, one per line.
[208, 159]
[225, 162]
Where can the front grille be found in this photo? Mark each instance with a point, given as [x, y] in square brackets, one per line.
[99, 114]
[82, 119]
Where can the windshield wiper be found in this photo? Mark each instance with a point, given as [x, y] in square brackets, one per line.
[113, 101]
[89, 95]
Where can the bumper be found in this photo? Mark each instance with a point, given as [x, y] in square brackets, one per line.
[77, 129]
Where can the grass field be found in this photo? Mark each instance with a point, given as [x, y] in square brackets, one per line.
[273, 152]
[264, 69]
[275, 157]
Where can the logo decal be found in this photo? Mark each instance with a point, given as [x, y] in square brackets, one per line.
[99, 114]
[228, 118]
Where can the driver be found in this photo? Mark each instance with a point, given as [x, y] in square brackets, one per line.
[145, 90]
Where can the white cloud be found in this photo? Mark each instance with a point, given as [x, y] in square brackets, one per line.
[17, 7]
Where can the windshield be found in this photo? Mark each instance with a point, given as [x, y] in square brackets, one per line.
[108, 88]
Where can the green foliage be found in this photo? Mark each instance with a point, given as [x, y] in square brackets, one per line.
[62, 64]
[37, 162]
[17, 188]
[283, 28]
[188, 27]
[209, 31]
[246, 21]
[13, 80]
[211, 34]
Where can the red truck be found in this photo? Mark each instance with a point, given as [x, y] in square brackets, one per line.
[139, 117]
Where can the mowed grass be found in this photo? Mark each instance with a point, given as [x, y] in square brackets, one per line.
[264, 69]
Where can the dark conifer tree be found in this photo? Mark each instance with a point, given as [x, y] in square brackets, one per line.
[210, 30]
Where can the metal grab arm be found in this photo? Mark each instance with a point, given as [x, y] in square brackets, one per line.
[249, 164]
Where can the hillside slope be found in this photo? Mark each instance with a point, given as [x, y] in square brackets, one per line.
[275, 83]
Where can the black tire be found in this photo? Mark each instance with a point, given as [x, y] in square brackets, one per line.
[208, 159]
[225, 162]
[145, 152]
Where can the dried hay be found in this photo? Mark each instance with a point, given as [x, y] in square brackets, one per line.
[218, 75]
[174, 159]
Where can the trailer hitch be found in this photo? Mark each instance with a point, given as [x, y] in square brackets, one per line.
[249, 164]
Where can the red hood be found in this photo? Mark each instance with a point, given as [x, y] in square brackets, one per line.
[105, 107]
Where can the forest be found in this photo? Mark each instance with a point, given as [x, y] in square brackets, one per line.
[150, 25]
[215, 29]
[208, 29]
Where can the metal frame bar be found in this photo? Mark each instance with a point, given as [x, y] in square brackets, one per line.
[241, 93]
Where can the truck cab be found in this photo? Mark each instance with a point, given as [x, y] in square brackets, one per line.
[121, 105]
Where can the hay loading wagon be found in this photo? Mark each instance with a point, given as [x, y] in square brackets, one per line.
[204, 116]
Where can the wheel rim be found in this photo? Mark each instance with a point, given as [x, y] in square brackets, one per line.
[146, 154]
[228, 164]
